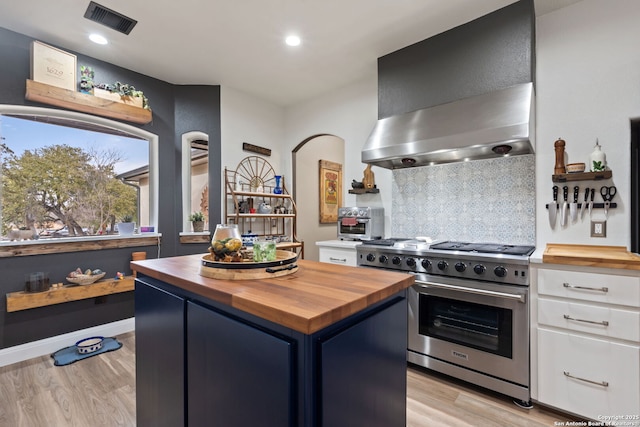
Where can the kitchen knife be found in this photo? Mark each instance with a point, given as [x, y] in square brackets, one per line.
[593, 191]
[584, 204]
[573, 206]
[565, 206]
[553, 208]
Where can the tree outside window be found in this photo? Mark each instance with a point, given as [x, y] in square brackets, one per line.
[60, 181]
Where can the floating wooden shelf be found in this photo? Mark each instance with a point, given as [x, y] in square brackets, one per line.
[17, 301]
[195, 238]
[581, 176]
[52, 246]
[77, 101]
[363, 190]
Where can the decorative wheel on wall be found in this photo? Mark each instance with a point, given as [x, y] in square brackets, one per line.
[253, 173]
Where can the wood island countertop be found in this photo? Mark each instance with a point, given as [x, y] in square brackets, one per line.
[591, 256]
[314, 297]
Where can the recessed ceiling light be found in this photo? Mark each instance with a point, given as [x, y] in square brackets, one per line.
[292, 40]
[97, 38]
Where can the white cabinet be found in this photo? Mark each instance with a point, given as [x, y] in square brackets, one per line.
[341, 252]
[588, 376]
[587, 323]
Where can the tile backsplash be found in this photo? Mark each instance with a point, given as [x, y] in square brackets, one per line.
[489, 200]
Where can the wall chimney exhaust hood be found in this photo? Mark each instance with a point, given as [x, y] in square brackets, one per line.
[495, 124]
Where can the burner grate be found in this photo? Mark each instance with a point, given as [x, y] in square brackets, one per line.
[492, 248]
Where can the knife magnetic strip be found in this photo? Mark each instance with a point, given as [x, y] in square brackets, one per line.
[612, 205]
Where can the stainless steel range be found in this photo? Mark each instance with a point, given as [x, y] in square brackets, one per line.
[468, 309]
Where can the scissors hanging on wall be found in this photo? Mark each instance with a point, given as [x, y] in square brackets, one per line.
[607, 194]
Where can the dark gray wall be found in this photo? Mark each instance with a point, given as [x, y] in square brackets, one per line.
[176, 109]
[489, 53]
[193, 107]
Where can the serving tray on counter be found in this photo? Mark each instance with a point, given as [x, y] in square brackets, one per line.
[285, 263]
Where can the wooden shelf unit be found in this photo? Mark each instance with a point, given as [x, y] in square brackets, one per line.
[77, 101]
[364, 190]
[581, 176]
[283, 223]
[17, 301]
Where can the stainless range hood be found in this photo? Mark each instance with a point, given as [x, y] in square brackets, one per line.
[495, 124]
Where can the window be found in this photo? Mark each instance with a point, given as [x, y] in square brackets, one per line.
[67, 174]
[195, 177]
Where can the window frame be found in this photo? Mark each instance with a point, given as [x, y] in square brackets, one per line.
[153, 139]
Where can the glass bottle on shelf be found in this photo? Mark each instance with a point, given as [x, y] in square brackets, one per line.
[278, 188]
[598, 159]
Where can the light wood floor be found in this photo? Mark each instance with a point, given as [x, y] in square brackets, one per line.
[100, 391]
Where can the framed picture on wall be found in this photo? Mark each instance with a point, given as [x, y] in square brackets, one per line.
[53, 66]
[330, 190]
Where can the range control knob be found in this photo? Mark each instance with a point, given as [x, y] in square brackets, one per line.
[460, 267]
[479, 268]
[500, 271]
[396, 260]
[426, 264]
[442, 265]
[411, 262]
[371, 257]
[383, 259]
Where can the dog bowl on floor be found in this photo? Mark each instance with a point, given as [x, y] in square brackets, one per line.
[89, 345]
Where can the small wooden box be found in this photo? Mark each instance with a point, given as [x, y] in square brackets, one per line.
[136, 101]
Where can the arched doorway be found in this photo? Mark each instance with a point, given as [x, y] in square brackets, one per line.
[306, 157]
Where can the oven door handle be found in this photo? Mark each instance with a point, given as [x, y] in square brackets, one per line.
[427, 285]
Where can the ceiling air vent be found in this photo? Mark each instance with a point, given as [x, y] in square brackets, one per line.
[109, 18]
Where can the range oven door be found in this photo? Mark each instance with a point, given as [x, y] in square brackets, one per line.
[475, 325]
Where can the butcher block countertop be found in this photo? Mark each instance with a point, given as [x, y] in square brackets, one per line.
[591, 256]
[314, 297]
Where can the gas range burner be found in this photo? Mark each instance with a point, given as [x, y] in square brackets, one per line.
[487, 248]
[381, 242]
[401, 243]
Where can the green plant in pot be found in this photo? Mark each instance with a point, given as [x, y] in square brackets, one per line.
[126, 226]
[197, 221]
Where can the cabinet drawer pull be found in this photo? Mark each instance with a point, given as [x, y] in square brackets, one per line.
[603, 323]
[602, 383]
[342, 260]
[603, 289]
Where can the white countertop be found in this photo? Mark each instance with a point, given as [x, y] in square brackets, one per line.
[347, 244]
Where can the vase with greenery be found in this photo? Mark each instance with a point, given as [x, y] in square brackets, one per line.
[197, 221]
[126, 226]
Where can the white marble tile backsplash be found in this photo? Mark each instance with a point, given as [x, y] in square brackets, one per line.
[489, 200]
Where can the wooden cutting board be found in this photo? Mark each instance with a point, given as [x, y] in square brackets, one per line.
[591, 256]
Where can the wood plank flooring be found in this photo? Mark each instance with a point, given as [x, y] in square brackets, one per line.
[100, 391]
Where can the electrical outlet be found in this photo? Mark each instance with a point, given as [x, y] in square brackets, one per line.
[598, 228]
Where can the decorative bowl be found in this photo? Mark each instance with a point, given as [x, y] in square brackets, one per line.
[89, 345]
[575, 167]
[85, 279]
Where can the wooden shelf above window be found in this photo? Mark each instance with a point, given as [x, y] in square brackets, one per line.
[17, 301]
[77, 101]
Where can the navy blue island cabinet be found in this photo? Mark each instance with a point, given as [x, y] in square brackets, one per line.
[324, 346]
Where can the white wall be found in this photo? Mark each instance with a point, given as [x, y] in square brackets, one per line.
[310, 230]
[349, 113]
[245, 118]
[588, 87]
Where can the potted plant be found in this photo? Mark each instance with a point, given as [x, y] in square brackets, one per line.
[197, 221]
[126, 226]
[122, 92]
